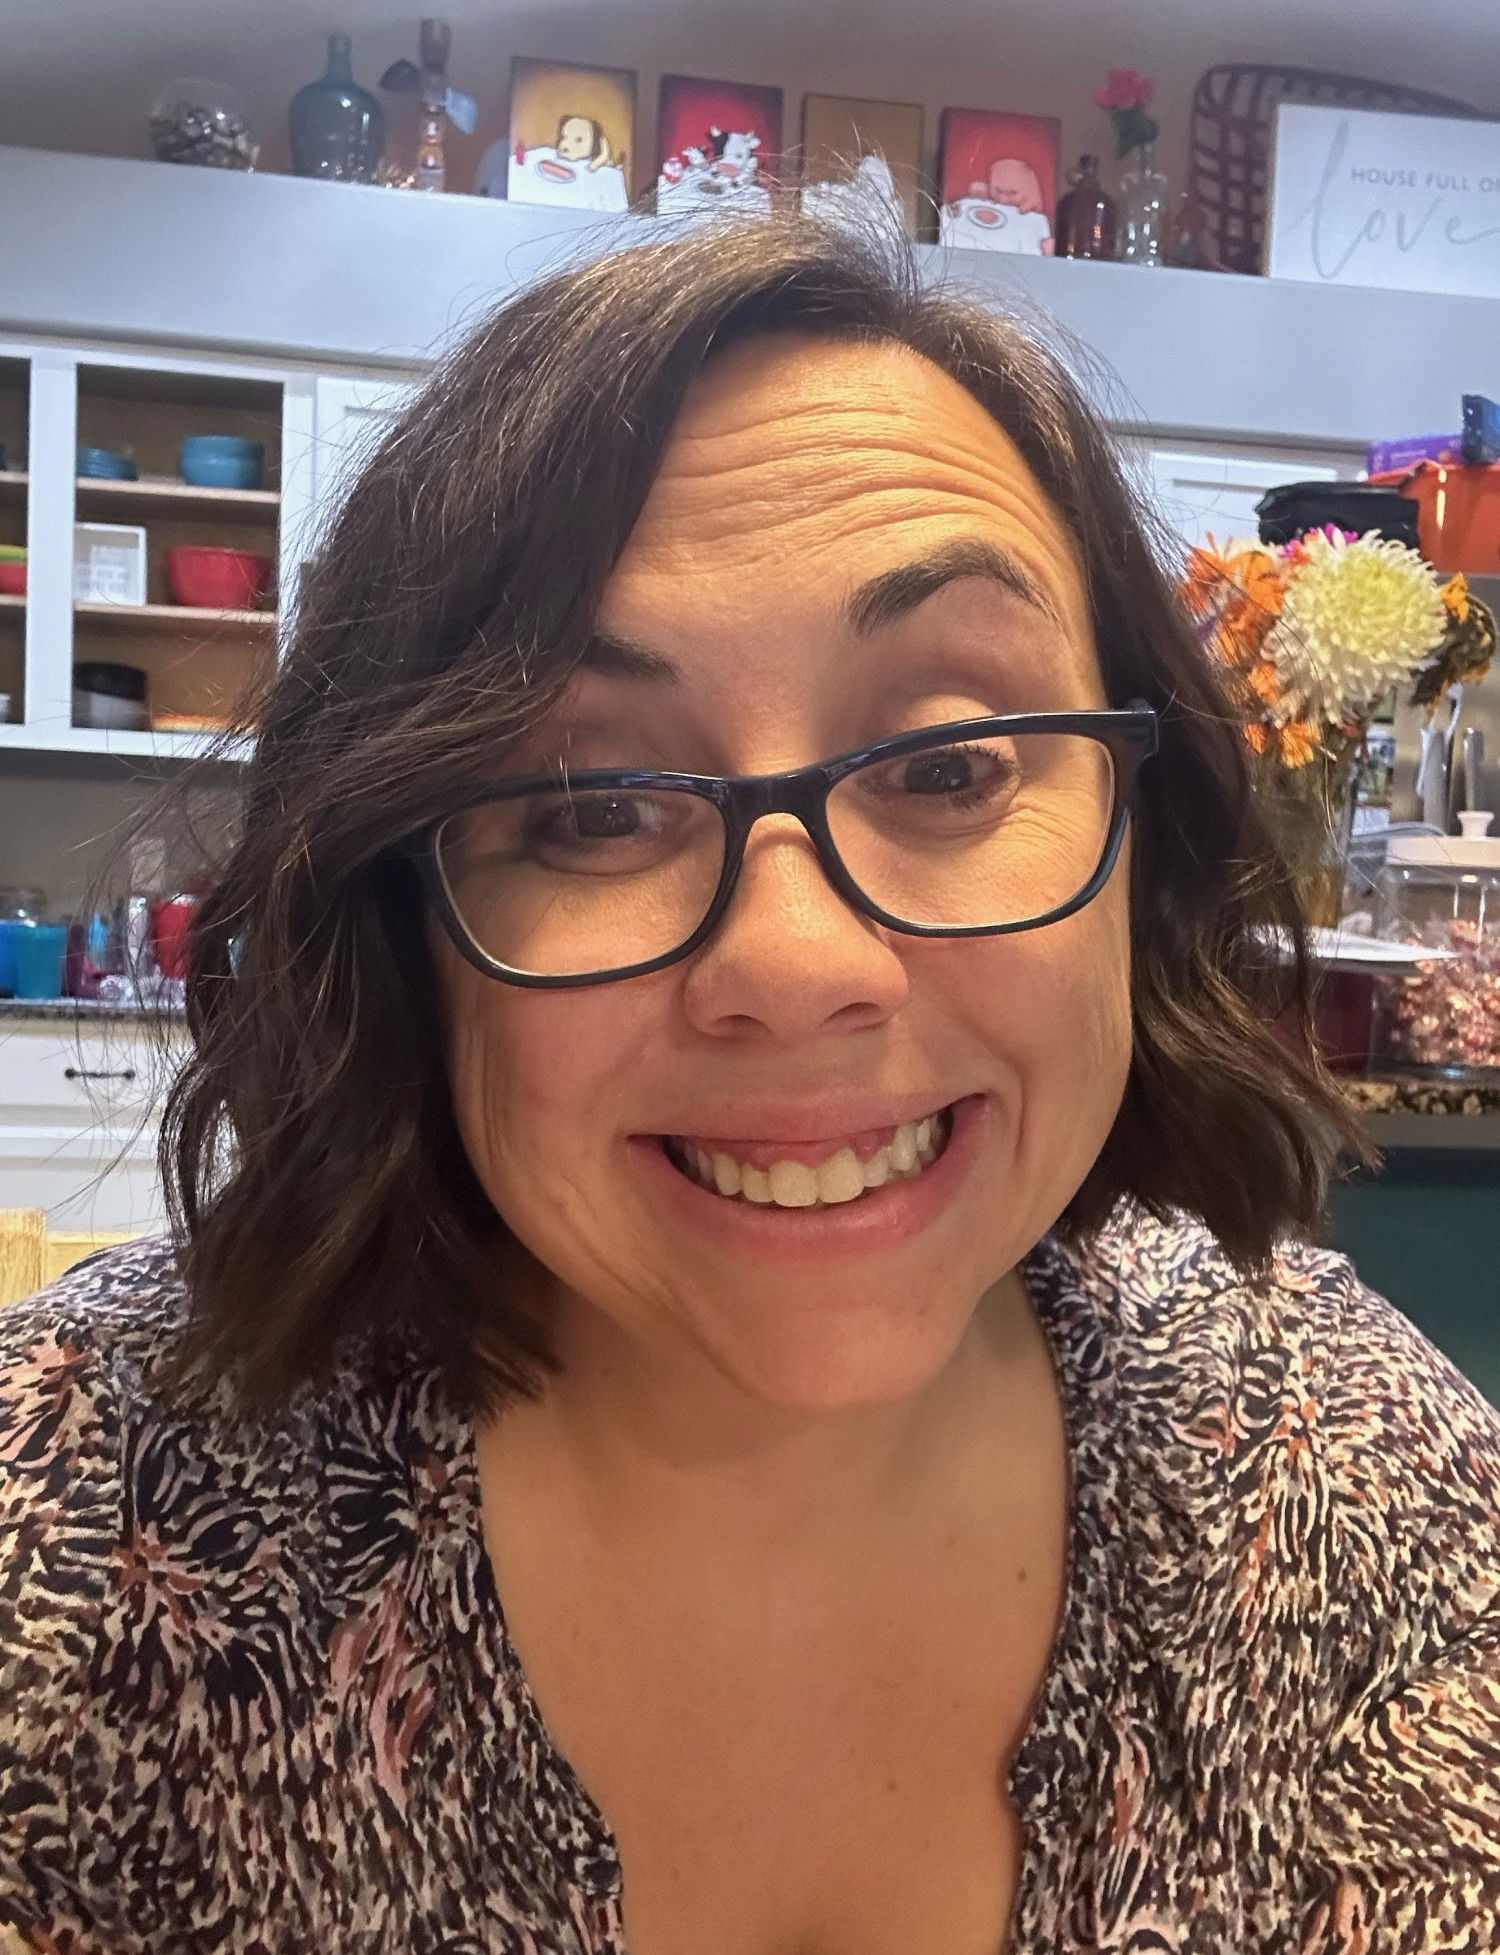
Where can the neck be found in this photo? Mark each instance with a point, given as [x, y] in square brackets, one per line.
[646, 1442]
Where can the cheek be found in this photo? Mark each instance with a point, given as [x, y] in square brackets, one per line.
[1054, 1007]
[536, 1081]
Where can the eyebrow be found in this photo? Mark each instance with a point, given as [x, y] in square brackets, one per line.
[621, 658]
[880, 601]
[890, 596]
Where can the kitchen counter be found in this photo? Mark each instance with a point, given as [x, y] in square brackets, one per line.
[82, 1011]
[1404, 1110]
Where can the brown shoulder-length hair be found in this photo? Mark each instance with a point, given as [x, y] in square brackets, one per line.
[317, 1181]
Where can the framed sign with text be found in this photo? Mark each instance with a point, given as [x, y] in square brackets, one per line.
[1362, 197]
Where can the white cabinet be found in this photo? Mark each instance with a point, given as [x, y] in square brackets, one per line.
[1203, 496]
[201, 660]
[333, 424]
[349, 418]
[78, 1122]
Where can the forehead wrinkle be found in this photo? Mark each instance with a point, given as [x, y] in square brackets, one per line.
[782, 451]
[737, 532]
[782, 476]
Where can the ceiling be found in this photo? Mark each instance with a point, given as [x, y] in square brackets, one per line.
[53, 40]
[80, 74]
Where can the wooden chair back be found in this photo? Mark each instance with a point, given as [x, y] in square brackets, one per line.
[32, 1255]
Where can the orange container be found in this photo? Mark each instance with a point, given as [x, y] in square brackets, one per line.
[1458, 514]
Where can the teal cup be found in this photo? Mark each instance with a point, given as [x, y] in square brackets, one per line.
[39, 949]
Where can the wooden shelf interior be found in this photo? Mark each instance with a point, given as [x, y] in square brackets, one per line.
[198, 662]
[201, 662]
[173, 620]
[15, 405]
[147, 414]
[15, 396]
[12, 653]
[128, 502]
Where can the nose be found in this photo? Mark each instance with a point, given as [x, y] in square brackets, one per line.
[791, 959]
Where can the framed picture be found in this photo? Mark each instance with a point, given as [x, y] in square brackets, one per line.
[998, 176]
[1369, 197]
[856, 153]
[716, 144]
[572, 137]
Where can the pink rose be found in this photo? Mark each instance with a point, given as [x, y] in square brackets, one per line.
[1125, 88]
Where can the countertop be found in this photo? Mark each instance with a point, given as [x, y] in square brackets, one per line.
[1405, 1110]
[82, 1011]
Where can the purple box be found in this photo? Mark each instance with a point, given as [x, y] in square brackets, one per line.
[1389, 457]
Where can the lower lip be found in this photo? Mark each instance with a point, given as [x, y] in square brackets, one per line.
[883, 1219]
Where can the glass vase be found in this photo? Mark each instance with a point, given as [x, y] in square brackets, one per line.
[1143, 212]
[337, 128]
[1311, 811]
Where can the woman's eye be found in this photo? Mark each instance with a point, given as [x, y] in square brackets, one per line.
[965, 776]
[588, 818]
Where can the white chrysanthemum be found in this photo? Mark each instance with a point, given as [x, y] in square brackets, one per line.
[1357, 619]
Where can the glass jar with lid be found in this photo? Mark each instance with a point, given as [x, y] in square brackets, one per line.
[1441, 894]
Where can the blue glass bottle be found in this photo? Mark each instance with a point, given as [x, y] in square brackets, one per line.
[337, 128]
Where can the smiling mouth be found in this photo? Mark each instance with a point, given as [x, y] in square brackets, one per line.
[844, 1177]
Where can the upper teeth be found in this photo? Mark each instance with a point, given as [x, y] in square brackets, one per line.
[843, 1178]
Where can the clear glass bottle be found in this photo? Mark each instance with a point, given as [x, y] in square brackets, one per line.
[337, 128]
[1143, 211]
[1086, 216]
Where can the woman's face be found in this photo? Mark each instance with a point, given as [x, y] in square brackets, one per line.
[800, 473]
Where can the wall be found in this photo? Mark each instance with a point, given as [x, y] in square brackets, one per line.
[92, 94]
[66, 824]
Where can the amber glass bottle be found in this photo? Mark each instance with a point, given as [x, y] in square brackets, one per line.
[1086, 216]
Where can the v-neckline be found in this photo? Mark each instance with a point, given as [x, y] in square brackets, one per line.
[562, 1813]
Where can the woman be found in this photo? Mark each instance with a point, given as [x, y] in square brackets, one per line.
[733, 1112]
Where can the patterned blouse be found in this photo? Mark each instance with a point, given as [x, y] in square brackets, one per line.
[257, 1696]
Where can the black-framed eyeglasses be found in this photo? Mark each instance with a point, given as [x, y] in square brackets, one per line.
[975, 828]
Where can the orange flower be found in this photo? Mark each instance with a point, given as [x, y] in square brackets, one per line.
[1241, 633]
[1455, 596]
[1299, 742]
[1203, 586]
[1264, 683]
[1255, 736]
[1259, 576]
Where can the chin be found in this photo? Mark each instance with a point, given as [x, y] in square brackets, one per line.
[803, 1350]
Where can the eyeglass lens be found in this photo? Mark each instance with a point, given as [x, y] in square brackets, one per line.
[565, 882]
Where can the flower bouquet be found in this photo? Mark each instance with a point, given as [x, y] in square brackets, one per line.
[1312, 637]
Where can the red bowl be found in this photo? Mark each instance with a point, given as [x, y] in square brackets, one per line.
[218, 580]
[12, 578]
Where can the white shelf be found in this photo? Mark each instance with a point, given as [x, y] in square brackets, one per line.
[9, 602]
[154, 618]
[13, 485]
[163, 495]
[124, 746]
[104, 249]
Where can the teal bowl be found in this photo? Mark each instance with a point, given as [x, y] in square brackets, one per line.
[104, 465]
[222, 461]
